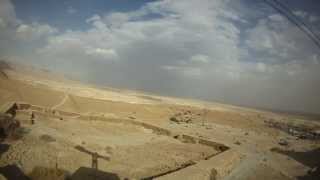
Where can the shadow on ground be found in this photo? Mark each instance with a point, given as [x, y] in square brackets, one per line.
[44, 173]
[13, 172]
[3, 148]
[85, 173]
[308, 158]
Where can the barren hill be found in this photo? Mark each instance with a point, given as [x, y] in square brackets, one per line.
[81, 131]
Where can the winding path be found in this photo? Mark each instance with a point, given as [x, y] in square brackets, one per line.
[61, 102]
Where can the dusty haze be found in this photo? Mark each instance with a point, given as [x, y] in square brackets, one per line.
[235, 52]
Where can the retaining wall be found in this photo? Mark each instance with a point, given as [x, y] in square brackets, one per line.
[41, 112]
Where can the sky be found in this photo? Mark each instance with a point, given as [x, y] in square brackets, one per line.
[239, 52]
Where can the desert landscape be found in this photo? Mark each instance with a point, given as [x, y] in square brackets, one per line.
[159, 89]
[54, 128]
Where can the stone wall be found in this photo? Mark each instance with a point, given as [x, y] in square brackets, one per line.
[41, 112]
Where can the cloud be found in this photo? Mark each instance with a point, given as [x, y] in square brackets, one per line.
[116, 19]
[305, 16]
[276, 17]
[210, 49]
[7, 13]
[118, 32]
[275, 39]
[103, 53]
[17, 36]
[34, 31]
[301, 14]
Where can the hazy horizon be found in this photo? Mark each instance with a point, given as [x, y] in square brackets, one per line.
[234, 52]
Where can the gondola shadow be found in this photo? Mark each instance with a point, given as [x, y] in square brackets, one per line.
[3, 148]
[93, 173]
[13, 172]
[308, 158]
[85, 173]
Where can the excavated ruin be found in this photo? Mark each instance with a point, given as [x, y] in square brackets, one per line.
[201, 149]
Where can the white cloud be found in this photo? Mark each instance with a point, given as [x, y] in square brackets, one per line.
[14, 30]
[276, 39]
[34, 31]
[79, 45]
[116, 31]
[102, 53]
[97, 22]
[188, 47]
[93, 18]
[198, 49]
[276, 17]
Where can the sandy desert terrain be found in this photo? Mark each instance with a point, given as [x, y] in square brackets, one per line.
[70, 130]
